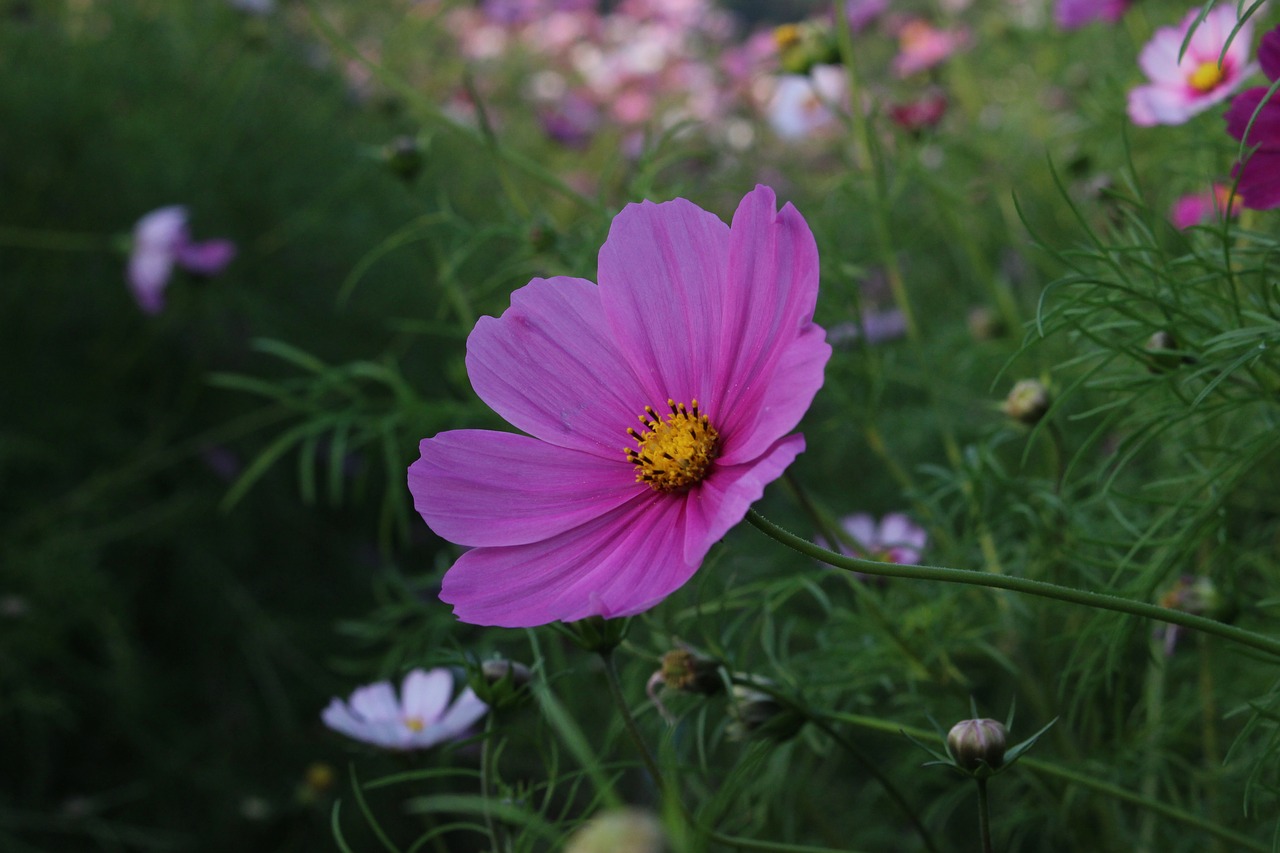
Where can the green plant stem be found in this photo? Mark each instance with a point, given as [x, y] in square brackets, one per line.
[984, 816]
[1025, 586]
[1238, 841]
[629, 720]
[779, 846]
[486, 779]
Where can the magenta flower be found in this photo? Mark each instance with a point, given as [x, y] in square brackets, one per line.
[1200, 208]
[658, 406]
[420, 717]
[161, 241]
[1182, 87]
[1258, 175]
[921, 46]
[1072, 14]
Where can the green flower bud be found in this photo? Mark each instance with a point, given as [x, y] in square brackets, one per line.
[756, 714]
[975, 743]
[501, 683]
[403, 156]
[1027, 402]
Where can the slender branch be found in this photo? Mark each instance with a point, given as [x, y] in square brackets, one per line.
[615, 690]
[1025, 586]
[984, 816]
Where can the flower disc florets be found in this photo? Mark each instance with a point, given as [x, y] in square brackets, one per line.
[674, 454]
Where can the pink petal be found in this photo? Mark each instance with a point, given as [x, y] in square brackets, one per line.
[466, 710]
[897, 529]
[551, 368]
[478, 487]
[622, 563]
[425, 695]
[720, 501]
[1152, 105]
[208, 257]
[862, 527]
[797, 378]
[662, 274]
[375, 702]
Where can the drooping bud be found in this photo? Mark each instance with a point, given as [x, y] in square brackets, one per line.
[1028, 402]
[756, 714]
[685, 670]
[977, 743]
[1161, 352]
[403, 156]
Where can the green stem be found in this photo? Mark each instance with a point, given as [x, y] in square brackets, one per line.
[486, 779]
[1025, 586]
[779, 846]
[615, 690]
[984, 816]
[1239, 842]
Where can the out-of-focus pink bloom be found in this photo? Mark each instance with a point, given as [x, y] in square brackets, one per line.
[923, 113]
[1258, 175]
[802, 105]
[1072, 14]
[922, 46]
[861, 13]
[876, 327]
[571, 121]
[1181, 88]
[1199, 208]
[700, 334]
[893, 539]
[422, 716]
[161, 240]
[1191, 594]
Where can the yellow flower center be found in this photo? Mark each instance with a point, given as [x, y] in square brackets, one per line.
[786, 36]
[414, 724]
[1206, 76]
[675, 454]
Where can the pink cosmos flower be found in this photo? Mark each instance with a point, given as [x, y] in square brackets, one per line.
[658, 404]
[894, 539]
[1182, 87]
[420, 717]
[161, 240]
[1258, 175]
[1072, 14]
[1199, 208]
[921, 46]
[802, 104]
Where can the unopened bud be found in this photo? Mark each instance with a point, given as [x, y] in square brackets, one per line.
[975, 743]
[985, 324]
[1027, 402]
[756, 714]
[625, 830]
[403, 156]
[501, 683]
[687, 671]
[1160, 349]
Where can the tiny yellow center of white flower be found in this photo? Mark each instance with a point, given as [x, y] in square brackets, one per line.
[414, 724]
[1206, 76]
[676, 454]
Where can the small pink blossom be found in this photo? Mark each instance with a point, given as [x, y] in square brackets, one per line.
[422, 716]
[894, 539]
[803, 105]
[1072, 14]
[1200, 208]
[1185, 83]
[921, 114]
[921, 46]
[658, 405]
[161, 240]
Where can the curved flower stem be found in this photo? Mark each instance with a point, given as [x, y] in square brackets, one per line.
[824, 723]
[984, 816]
[615, 690]
[1025, 586]
[1084, 780]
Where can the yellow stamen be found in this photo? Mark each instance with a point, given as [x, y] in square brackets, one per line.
[675, 454]
[787, 35]
[414, 724]
[1206, 76]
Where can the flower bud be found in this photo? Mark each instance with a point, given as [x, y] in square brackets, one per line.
[756, 714]
[625, 830]
[685, 670]
[1027, 402]
[1161, 355]
[403, 156]
[975, 743]
[501, 683]
[985, 324]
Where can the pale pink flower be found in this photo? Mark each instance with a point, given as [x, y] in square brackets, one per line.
[658, 405]
[893, 539]
[922, 46]
[804, 104]
[420, 717]
[162, 241]
[1184, 83]
[1073, 14]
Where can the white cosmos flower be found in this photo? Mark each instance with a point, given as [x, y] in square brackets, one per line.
[422, 716]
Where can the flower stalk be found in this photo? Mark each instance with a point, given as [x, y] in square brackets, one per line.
[1024, 586]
